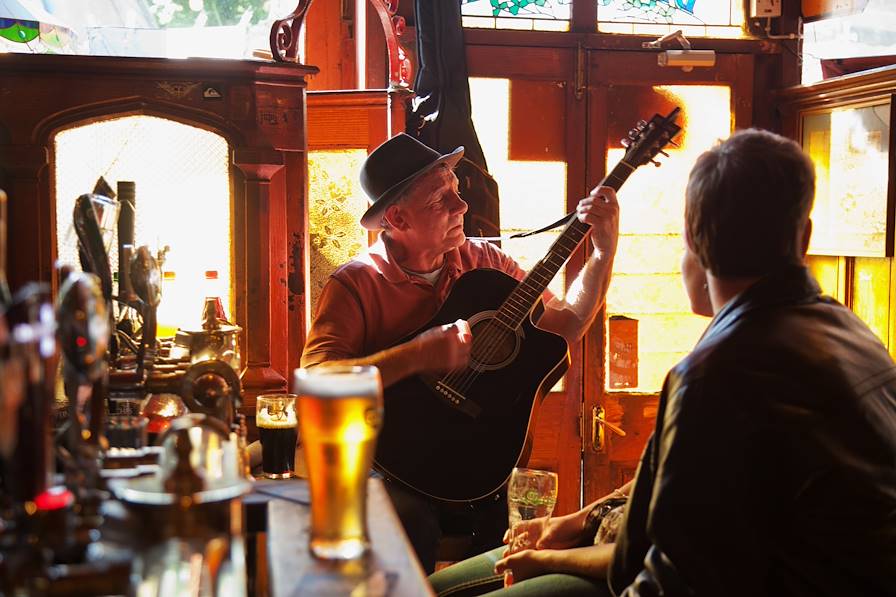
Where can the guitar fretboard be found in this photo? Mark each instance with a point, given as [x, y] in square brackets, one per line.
[520, 302]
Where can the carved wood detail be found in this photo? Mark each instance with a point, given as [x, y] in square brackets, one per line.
[400, 70]
[285, 33]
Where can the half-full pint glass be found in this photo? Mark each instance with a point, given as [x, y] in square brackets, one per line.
[340, 413]
[275, 417]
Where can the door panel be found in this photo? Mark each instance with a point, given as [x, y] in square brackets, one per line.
[545, 111]
[652, 327]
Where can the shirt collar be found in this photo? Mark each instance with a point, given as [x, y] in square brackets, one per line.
[385, 263]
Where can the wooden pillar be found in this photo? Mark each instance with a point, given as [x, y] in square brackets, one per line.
[29, 256]
[263, 222]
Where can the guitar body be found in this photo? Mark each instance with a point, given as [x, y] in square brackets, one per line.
[457, 437]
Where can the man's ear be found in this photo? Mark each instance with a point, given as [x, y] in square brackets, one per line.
[807, 234]
[395, 216]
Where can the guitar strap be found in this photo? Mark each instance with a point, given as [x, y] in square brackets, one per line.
[562, 221]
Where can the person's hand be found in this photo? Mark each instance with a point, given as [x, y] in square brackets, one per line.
[557, 532]
[600, 209]
[518, 567]
[445, 348]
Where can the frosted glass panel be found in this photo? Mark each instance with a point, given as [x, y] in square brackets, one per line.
[533, 193]
[183, 200]
[646, 282]
[335, 206]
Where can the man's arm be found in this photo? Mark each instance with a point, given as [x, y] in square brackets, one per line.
[337, 338]
[436, 350]
[571, 316]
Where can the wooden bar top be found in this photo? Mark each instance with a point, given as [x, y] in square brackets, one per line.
[389, 570]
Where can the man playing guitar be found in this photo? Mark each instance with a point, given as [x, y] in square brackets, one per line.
[371, 304]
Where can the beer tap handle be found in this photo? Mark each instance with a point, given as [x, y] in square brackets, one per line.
[146, 280]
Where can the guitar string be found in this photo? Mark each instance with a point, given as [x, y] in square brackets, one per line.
[467, 377]
[461, 379]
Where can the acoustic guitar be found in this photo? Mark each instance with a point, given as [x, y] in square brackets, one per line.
[457, 437]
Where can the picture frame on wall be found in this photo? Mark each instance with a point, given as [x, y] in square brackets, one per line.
[852, 149]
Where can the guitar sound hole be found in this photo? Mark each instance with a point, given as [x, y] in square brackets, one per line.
[494, 345]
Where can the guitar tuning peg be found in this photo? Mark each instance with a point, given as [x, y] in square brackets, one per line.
[655, 163]
[625, 142]
[642, 124]
[663, 152]
[673, 143]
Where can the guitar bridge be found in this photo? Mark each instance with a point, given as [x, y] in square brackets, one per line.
[457, 400]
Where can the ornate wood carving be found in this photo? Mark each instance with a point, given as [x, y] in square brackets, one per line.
[400, 70]
[285, 33]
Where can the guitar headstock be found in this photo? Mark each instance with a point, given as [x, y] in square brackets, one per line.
[648, 138]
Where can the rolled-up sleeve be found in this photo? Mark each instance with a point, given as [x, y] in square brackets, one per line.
[338, 328]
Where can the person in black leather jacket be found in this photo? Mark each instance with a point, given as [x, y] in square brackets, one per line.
[772, 468]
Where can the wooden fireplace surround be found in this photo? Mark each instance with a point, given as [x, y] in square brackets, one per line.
[258, 107]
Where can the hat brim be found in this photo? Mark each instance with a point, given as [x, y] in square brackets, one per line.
[372, 218]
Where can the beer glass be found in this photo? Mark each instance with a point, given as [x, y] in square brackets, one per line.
[275, 417]
[340, 411]
[531, 493]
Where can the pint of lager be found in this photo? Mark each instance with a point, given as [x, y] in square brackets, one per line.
[340, 412]
[275, 417]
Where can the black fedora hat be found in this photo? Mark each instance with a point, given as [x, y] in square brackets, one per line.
[392, 167]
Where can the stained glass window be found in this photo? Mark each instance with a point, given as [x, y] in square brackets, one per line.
[696, 18]
[542, 15]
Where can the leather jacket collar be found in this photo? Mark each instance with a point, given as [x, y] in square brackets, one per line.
[788, 285]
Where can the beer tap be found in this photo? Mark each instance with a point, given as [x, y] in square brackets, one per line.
[146, 281]
[84, 339]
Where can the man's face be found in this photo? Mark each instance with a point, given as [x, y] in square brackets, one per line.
[432, 214]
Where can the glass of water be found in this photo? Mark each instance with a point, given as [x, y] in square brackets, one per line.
[531, 494]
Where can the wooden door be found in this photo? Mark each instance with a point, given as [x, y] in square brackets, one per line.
[647, 326]
[529, 113]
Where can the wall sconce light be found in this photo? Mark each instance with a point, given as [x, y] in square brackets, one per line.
[686, 58]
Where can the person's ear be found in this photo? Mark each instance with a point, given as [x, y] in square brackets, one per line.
[807, 234]
[394, 214]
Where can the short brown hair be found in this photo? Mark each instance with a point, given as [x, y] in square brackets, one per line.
[747, 201]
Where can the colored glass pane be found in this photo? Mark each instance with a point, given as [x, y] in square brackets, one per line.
[696, 18]
[18, 31]
[517, 14]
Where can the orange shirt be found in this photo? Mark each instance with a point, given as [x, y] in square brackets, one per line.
[370, 303]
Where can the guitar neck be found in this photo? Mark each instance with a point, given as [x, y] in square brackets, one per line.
[520, 302]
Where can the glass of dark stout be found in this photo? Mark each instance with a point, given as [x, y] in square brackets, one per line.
[275, 417]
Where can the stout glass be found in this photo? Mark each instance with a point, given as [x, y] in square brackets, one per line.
[340, 411]
[275, 417]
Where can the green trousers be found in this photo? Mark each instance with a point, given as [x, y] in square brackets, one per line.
[476, 576]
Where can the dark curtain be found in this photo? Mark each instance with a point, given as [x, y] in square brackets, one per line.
[440, 114]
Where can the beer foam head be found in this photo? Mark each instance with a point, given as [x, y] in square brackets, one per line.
[336, 382]
[273, 417]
